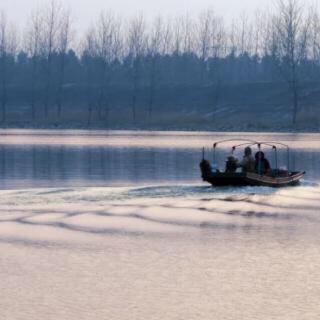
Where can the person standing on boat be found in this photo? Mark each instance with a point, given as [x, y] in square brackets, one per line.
[248, 163]
[262, 165]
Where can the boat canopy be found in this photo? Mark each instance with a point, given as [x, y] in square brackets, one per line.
[250, 143]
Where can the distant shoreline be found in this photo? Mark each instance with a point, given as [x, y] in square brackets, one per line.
[226, 129]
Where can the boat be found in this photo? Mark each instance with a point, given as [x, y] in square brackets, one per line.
[275, 178]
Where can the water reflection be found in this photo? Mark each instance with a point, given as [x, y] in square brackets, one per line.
[60, 165]
[39, 166]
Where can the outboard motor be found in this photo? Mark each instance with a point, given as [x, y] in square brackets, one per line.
[206, 168]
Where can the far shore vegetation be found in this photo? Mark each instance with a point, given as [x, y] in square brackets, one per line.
[258, 72]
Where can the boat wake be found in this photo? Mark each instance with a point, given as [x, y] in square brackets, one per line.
[64, 214]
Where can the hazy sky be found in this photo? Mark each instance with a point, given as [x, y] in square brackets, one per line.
[84, 11]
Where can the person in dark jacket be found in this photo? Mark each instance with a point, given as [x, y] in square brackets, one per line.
[262, 165]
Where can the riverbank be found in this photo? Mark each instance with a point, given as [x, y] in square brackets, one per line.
[254, 107]
[178, 127]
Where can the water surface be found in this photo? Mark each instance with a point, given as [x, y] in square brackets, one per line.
[101, 225]
[80, 158]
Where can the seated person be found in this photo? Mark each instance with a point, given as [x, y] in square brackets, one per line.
[232, 164]
[262, 165]
[248, 163]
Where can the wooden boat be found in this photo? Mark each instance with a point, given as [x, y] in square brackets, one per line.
[275, 178]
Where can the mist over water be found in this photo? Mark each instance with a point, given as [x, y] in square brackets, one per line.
[119, 225]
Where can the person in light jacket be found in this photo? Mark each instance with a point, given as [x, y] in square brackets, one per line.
[248, 162]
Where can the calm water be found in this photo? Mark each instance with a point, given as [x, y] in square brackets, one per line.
[100, 225]
[59, 159]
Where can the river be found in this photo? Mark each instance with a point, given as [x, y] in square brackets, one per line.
[119, 225]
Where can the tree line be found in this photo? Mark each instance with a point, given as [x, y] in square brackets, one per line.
[44, 67]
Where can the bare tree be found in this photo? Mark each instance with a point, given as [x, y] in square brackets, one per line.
[107, 45]
[7, 50]
[63, 44]
[188, 34]
[51, 27]
[257, 27]
[204, 32]
[136, 49]
[232, 39]
[186, 45]
[292, 34]
[218, 50]
[87, 55]
[270, 48]
[33, 43]
[155, 43]
[177, 37]
[315, 35]
[3, 64]
[243, 34]
[167, 38]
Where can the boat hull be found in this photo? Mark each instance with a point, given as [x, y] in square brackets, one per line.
[252, 179]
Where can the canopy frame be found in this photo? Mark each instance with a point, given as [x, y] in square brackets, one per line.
[250, 143]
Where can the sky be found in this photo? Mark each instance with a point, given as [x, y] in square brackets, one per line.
[85, 11]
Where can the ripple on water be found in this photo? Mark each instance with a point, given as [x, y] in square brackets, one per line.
[160, 209]
[160, 252]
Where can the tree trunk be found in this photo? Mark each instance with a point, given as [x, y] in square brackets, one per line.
[89, 95]
[102, 91]
[33, 85]
[295, 94]
[134, 99]
[89, 115]
[60, 86]
[135, 88]
[295, 104]
[3, 89]
[47, 89]
[203, 69]
[215, 100]
[152, 87]
[103, 103]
